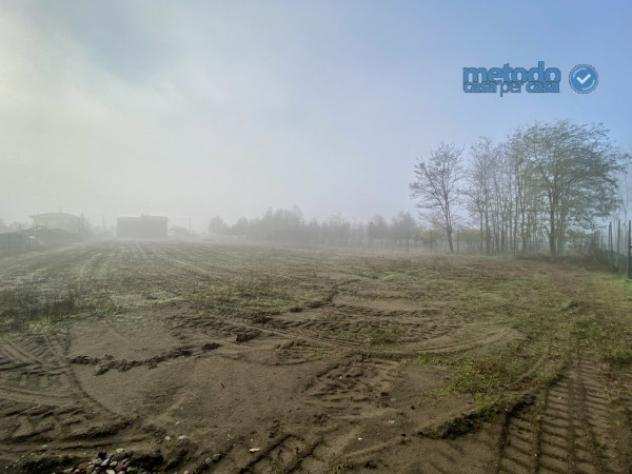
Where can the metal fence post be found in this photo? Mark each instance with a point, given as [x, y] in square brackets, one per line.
[630, 249]
[610, 247]
[618, 245]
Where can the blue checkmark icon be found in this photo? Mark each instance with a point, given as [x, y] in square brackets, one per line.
[583, 78]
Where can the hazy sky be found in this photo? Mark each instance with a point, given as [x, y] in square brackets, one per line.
[188, 108]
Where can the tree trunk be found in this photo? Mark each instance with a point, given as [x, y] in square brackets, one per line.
[448, 232]
[552, 234]
[481, 232]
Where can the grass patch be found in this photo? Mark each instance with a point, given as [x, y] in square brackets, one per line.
[26, 305]
[383, 336]
[560, 316]
[486, 374]
[604, 324]
[528, 302]
[257, 296]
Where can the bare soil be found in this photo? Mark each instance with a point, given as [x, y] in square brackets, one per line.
[199, 358]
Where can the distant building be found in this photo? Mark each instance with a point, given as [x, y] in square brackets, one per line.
[143, 227]
[59, 221]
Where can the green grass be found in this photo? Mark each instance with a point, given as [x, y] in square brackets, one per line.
[575, 313]
[603, 324]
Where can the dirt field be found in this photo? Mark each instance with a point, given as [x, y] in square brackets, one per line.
[197, 357]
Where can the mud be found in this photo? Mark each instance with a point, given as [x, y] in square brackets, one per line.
[328, 383]
[108, 362]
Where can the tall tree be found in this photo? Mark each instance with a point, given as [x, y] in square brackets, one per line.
[480, 190]
[576, 168]
[435, 187]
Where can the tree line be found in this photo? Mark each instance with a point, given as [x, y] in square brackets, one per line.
[552, 182]
[546, 187]
[289, 226]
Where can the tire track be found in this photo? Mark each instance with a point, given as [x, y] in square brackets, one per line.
[353, 389]
[567, 431]
[43, 404]
[623, 416]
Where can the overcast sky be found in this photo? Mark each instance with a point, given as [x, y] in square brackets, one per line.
[188, 108]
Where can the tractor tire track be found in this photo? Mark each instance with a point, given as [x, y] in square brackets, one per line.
[568, 430]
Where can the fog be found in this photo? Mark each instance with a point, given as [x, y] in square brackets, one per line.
[315, 236]
[197, 109]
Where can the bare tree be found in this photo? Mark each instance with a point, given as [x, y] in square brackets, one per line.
[435, 187]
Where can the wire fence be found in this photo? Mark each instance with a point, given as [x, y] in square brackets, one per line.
[613, 245]
[610, 245]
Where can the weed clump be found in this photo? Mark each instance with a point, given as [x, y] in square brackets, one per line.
[25, 305]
